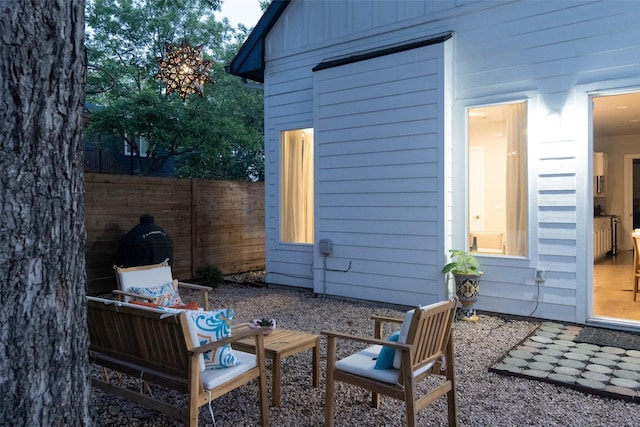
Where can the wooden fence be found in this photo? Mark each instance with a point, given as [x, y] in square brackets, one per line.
[218, 223]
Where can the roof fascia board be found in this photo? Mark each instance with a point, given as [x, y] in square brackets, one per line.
[244, 64]
[386, 50]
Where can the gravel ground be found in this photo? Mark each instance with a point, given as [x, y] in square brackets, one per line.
[484, 399]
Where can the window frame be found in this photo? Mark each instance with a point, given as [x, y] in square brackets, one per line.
[526, 228]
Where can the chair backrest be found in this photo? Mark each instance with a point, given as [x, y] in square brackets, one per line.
[144, 337]
[488, 241]
[428, 332]
[144, 276]
[636, 254]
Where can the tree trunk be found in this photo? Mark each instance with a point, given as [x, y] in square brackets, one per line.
[44, 372]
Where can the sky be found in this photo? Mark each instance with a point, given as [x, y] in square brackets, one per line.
[246, 12]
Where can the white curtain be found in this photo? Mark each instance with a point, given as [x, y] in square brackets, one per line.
[296, 193]
[516, 192]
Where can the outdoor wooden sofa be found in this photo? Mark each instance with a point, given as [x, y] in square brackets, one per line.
[156, 347]
[423, 347]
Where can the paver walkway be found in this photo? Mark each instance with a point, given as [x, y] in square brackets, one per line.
[551, 354]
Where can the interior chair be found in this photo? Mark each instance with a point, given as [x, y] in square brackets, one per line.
[636, 263]
[150, 276]
[488, 242]
[424, 348]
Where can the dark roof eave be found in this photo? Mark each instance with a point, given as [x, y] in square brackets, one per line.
[249, 61]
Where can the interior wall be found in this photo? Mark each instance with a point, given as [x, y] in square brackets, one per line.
[616, 148]
[491, 137]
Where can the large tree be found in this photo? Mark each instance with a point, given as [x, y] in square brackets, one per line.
[44, 377]
[215, 136]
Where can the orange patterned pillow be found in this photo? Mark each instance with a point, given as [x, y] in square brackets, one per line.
[165, 295]
[190, 306]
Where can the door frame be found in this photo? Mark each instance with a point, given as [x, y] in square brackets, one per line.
[627, 220]
[614, 322]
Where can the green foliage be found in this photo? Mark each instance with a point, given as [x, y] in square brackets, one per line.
[264, 322]
[217, 136]
[209, 275]
[264, 4]
[462, 262]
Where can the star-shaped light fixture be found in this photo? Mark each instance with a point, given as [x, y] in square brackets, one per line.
[184, 69]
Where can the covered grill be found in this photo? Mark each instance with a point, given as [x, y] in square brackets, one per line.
[146, 243]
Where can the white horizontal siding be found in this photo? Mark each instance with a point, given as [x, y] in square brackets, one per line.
[373, 172]
[374, 155]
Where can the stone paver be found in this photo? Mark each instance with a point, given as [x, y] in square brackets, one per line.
[629, 366]
[551, 353]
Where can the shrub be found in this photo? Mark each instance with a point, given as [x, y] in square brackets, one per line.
[209, 275]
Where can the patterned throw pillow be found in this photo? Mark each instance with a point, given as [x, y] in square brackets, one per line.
[211, 326]
[165, 295]
[193, 305]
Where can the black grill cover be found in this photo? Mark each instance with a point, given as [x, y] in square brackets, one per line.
[146, 243]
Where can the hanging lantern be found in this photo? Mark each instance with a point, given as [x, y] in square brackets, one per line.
[184, 69]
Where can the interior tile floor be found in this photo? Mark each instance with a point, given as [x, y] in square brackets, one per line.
[613, 288]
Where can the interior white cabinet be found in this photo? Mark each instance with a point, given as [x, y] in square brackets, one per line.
[601, 236]
[600, 173]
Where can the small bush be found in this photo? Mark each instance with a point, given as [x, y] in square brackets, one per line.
[209, 275]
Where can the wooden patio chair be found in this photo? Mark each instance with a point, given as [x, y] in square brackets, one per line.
[424, 348]
[148, 276]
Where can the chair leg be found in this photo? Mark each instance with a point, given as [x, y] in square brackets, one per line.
[330, 384]
[105, 374]
[450, 372]
[264, 401]
[635, 287]
[410, 404]
[375, 400]
[262, 381]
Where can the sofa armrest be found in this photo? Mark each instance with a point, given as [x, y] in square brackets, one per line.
[204, 289]
[244, 333]
[195, 286]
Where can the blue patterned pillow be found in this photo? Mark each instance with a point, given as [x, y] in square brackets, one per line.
[211, 326]
[386, 355]
[166, 295]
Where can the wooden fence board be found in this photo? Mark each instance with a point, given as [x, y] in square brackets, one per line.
[219, 223]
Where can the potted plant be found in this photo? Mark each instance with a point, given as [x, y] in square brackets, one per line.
[465, 269]
[267, 325]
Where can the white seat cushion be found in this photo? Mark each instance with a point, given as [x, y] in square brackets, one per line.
[362, 364]
[402, 338]
[404, 330]
[212, 378]
[146, 278]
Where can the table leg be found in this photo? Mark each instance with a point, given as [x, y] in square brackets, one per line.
[276, 377]
[316, 363]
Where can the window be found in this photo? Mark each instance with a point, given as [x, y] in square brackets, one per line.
[498, 179]
[141, 144]
[296, 186]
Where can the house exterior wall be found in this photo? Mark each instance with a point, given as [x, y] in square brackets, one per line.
[551, 54]
[379, 136]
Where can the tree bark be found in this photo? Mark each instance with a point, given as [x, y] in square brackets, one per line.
[44, 371]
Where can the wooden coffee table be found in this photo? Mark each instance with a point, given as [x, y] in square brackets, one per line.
[279, 344]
